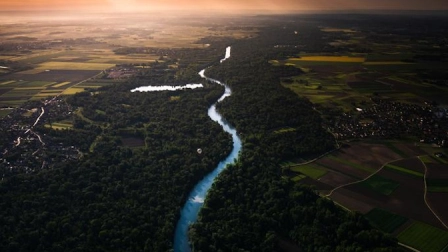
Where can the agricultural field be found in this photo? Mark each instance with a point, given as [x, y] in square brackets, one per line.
[385, 220]
[56, 62]
[424, 237]
[382, 179]
[66, 124]
[325, 59]
[380, 184]
[406, 171]
[390, 198]
[53, 65]
[311, 170]
[13, 93]
[344, 79]
[437, 185]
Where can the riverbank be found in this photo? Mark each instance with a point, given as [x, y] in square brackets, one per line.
[190, 211]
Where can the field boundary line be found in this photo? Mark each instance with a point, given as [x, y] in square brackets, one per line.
[444, 249]
[319, 157]
[426, 192]
[80, 82]
[315, 159]
[399, 243]
[408, 247]
[362, 180]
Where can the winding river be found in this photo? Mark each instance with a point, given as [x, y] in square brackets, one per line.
[190, 211]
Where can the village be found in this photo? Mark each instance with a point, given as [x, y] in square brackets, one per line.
[387, 119]
[24, 149]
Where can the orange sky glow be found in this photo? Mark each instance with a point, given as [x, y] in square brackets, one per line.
[224, 5]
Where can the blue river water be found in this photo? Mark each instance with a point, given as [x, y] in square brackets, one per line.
[190, 211]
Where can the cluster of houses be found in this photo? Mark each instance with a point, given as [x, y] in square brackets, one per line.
[27, 149]
[388, 119]
[121, 72]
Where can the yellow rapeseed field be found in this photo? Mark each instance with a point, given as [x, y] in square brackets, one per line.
[61, 84]
[72, 90]
[53, 65]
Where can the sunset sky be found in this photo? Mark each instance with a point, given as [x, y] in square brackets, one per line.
[228, 5]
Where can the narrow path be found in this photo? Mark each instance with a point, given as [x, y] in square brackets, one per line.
[362, 180]
[408, 247]
[37, 120]
[55, 97]
[41, 114]
[426, 192]
[315, 159]
[18, 141]
[38, 136]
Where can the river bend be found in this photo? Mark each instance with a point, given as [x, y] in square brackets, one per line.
[190, 211]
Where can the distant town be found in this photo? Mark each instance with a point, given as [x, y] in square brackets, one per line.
[389, 119]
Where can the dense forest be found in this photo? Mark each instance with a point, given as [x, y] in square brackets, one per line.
[122, 198]
[117, 198]
[253, 206]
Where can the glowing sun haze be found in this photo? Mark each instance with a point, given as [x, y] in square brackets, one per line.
[224, 5]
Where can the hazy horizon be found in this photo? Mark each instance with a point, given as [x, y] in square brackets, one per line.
[229, 6]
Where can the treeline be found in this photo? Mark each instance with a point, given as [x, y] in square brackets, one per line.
[117, 198]
[265, 113]
[184, 57]
[253, 206]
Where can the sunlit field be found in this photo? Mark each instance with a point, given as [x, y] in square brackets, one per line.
[343, 59]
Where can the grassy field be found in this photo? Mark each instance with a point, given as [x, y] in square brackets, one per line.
[53, 65]
[384, 220]
[343, 59]
[311, 170]
[36, 83]
[298, 178]
[72, 90]
[60, 125]
[428, 159]
[21, 93]
[424, 237]
[380, 184]
[437, 185]
[7, 82]
[403, 170]
[441, 160]
[12, 103]
[61, 84]
[394, 148]
[39, 56]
